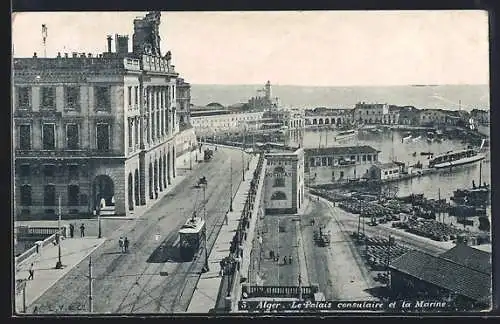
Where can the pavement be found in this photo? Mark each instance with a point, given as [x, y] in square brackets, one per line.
[207, 290]
[73, 251]
[150, 278]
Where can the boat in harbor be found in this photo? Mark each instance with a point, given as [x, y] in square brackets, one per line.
[426, 153]
[346, 134]
[455, 158]
[406, 138]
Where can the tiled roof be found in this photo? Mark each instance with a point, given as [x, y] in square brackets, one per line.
[446, 274]
[344, 150]
[469, 257]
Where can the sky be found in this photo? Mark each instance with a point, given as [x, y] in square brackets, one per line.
[309, 48]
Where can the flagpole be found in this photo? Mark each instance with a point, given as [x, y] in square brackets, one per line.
[44, 38]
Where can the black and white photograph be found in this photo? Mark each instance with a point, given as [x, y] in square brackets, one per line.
[251, 162]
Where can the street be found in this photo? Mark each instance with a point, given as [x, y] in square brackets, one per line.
[150, 278]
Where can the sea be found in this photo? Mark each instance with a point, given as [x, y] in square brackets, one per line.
[451, 97]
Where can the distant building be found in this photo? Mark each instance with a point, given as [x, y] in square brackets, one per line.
[323, 116]
[408, 115]
[372, 113]
[341, 163]
[95, 130]
[208, 123]
[183, 97]
[284, 182]
[461, 276]
[433, 117]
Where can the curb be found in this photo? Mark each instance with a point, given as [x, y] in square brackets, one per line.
[94, 247]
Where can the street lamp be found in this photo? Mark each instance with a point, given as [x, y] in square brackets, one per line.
[59, 264]
[205, 266]
[231, 186]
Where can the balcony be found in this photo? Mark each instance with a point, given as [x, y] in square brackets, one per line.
[68, 154]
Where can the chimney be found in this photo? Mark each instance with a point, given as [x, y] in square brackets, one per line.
[82, 55]
[34, 55]
[65, 55]
[100, 55]
[74, 54]
[109, 43]
[89, 55]
[58, 54]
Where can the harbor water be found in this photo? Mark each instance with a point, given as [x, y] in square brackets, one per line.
[392, 147]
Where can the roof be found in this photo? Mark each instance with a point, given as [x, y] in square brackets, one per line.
[388, 165]
[469, 257]
[344, 150]
[446, 274]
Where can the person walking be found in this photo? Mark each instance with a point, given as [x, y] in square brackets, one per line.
[222, 265]
[120, 244]
[290, 259]
[285, 261]
[71, 230]
[31, 272]
[125, 244]
[82, 230]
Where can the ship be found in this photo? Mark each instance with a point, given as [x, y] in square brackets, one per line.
[346, 134]
[455, 158]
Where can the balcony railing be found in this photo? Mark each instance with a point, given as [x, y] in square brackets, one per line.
[55, 154]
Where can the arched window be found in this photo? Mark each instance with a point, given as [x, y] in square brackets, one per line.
[279, 176]
[278, 195]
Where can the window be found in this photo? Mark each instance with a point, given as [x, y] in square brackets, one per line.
[72, 138]
[369, 157]
[25, 170]
[102, 96]
[26, 195]
[72, 97]
[25, 137]
[24, 97]
[136, 132]
[385, 172]
[130, 133]
[49, 136]
[364, 157]
[374, 157]
[330, 161]
[48, 98]
[49, 195]
[341, 174]
[136, 95]
[73, 193]
[102, 137]
[73, 172]
[49, 171]
[129, 96]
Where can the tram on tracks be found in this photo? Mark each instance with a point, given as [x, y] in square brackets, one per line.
[192, 238]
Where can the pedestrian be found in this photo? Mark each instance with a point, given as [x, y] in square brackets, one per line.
[82, 230]
[290, 259]
[71, 230]
[120, 243]
[277, 257]
[226, 220]
[125, 244]
[285, 261]
[31, 272]
[221, 270]
[271, 254]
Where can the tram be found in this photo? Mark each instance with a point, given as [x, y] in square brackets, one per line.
[192, 237]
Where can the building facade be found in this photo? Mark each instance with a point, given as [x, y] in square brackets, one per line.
[284, 182]
[327, 117]
[385, 171]
[183, 96]
[341, 163]
[213, 122]
[375, 113]
[94, 132]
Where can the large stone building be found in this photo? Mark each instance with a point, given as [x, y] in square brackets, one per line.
[97, 131]
[328, 117]
[183, 103]
[284, 182]
[207, 123]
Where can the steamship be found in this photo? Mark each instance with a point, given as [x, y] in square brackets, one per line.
[455, 158]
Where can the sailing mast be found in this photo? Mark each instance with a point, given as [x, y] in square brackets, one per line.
[439, 205]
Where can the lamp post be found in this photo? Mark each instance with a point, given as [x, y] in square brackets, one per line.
[99, 234]
[231, 186]
[205, 266]
[59, 264]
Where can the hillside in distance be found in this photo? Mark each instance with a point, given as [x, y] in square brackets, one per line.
[420, 96]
